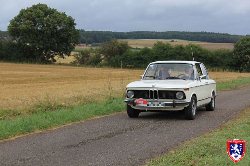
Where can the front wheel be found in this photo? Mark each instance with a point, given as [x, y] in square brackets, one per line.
[190, 111]
[211, 106]
[132, 113]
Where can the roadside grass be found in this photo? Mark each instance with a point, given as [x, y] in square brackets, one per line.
[9, 113]
[233, 84]
[210, 149]
[52, 117]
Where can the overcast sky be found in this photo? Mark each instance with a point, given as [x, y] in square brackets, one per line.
[227, 16]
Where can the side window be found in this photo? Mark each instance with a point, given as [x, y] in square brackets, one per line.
[204, 70]
[198, 68]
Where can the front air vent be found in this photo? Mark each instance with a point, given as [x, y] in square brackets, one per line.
[155, 94]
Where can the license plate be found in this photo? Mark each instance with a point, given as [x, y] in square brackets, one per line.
[155, 104]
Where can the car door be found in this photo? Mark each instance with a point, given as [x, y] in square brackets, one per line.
[202, 84]
[206, 84]
[209, 83]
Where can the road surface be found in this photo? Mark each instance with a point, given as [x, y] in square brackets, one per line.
[118, 140]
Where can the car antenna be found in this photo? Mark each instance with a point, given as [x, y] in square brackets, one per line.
[192, 53]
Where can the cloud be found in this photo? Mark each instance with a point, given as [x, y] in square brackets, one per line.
[156, 15]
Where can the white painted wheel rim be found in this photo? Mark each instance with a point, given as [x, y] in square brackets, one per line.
[193, 108]
[213, 102]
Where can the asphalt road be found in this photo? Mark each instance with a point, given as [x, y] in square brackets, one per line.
[118, 140]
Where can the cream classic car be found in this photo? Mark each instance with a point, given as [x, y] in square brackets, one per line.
[171, 86]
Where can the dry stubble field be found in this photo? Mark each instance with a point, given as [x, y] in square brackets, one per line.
[141, 43]
[25, 85]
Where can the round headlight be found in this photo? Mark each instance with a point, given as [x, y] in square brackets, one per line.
[130, 94]
[179, 95]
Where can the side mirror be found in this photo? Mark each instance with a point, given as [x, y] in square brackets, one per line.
[203, 77]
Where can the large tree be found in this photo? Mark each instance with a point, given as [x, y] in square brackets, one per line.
[242, 54]
[113, 48]
[42, 33]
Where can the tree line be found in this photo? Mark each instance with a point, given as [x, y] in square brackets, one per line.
[90, 37]
[93, 37]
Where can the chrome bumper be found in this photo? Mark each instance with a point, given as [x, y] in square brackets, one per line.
[164, 105]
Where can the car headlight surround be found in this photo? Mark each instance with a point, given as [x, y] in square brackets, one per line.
[130, 94]
[180, 95]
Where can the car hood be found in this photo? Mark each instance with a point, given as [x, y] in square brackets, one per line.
[171, 84]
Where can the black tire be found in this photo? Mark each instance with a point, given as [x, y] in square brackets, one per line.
[190, 111]
[132, 113]
[211, 106]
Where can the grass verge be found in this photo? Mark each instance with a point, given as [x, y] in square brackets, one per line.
[45, 119]
[233, 84]
[47, 115]
[210, 149]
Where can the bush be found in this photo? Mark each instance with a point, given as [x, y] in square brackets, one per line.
[121, 56]
[9, 51]
[241, 57]
[113, 48]
[88, 57]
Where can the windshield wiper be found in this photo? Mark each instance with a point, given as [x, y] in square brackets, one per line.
[173, 78]
[150, 76]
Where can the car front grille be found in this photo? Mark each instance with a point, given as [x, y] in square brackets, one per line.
[155, 94]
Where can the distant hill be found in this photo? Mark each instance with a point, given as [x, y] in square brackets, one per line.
[90, 37]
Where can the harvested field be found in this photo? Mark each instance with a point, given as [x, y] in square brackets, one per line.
[25, 85]
[140, 43]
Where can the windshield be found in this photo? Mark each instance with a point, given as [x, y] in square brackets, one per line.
[166, 71]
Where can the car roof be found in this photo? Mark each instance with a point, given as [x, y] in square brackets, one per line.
[189, 62]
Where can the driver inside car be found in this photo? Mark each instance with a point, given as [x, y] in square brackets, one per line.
[164, 73]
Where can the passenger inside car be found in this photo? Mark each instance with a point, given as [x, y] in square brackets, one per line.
[189, 73]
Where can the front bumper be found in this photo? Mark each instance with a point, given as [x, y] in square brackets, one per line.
[158, 104]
